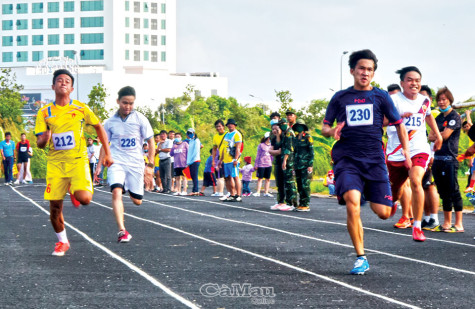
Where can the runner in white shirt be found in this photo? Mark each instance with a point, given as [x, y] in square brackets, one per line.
[127, 130]
[415, 110]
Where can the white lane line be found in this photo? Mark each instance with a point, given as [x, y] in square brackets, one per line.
[119, 258]
[263, 257]
[313, 238]
[314, 220]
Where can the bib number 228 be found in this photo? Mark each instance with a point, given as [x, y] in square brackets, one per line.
[127, 142]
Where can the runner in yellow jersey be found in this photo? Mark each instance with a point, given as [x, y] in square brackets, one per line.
[60, 125]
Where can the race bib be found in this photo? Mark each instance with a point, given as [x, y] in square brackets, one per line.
[359, 115]
[414, 122]
[23, 149]
[64, 141]
[127, 142]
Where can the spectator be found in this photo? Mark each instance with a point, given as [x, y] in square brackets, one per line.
[246, 172]
[158, 181]
[165, 161]
[230, 157]
[303, 164]
[330, 182]
[218, 139]
[193, 158]
[22, 162]
[276, 151]
[209, 178]
[7, 149]
[92, 155]
[263, 165]
[179, 153]
[148, 172]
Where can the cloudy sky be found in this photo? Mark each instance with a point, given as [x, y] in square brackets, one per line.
[262, 45]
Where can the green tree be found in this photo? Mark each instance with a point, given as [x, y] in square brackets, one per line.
[10, 98]
[97, 101]
[314, 113]
[152, 116]
[285, 99]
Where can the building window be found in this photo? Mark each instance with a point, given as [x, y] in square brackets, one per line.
[69, 6]
[69, 39]
[145, 39]
[7, 57]
[7, 41]
[127, 38]
[127, 6]
[154, 8]
[92, 5]
[53, 6]
[164, 40]
[145, 56]
[7, 24]
[7, 9]
[22, 56]
[22, 40]
[37, 55]
[136, 39]
[89, 22]
[145, 23]
[145, 7]
[22, 24]
[53, 53]
[37, 40]
[22, 8]
[163, 56]
[136, 23]
[136, 55]
[69, 54]
[164, 24]
[136, 7]
[37, 23]
[37, 7]
[164, 8]
[127, 22]
[214, 91]
[92, 54]
[154, 24]
[154, 40]
[53, 39]
[69, 22]
[53, 23]
[154, 56]
[92, 38]
[127, 56]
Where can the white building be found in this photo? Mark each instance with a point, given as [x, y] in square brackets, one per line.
[114, 42]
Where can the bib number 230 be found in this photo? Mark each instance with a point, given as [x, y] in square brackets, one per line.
[359, 115]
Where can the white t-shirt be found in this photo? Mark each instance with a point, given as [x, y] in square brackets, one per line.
[168, 143]
[415, 126]
[94, 150]
[127, 136]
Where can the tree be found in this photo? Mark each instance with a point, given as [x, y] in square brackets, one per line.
[10, 98]
[152, 116]
[284, 97]
[314, 113]
[97, 100]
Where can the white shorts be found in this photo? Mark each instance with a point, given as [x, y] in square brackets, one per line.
[127, 177]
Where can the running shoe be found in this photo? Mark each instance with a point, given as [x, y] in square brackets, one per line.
[217, 194]
[256, 194]
[303, 208]
[74, 200]
[201, 194]
[403, 223]
[176, 193]
[268, 195]
[60, 248]
[394, 209]
[124, 236]
[184, 193]
[360, 267]
[7, 184]
[17, 182]
[276, 207]
[237, 198]
[431, 225]
[418, 234]
[24, 182]
[223, 197]
[229, 199]
[286, 208]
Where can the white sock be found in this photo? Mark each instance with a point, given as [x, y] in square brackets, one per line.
[426, 218]
[417, 224]
[62, 236]
[435, 217]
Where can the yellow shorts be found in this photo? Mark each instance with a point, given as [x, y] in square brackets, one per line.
[60, 175]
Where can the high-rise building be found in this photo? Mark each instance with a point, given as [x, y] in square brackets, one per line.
[113, 42]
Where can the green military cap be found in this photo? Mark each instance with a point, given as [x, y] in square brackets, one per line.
[300, 122]
[290, 111]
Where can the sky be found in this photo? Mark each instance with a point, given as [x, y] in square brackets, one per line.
[267, 45]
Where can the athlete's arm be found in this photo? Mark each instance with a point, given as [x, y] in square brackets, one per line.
[151, 152]
[102, 135]
[404, 139]
[335, 132]
[469, 119]
[433, 126]
[238, 153]
[43, 139]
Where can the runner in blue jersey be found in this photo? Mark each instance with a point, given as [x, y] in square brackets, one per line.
[358, 156]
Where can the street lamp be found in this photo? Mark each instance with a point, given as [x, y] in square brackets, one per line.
[341, 69]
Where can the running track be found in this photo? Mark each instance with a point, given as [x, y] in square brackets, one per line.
[180, 244]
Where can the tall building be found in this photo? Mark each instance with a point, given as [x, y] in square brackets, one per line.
[113, 42]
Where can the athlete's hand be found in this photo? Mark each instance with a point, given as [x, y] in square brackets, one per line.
[338, 128]
[408, 162]
[406, 115]
[107, 161]
[438, 142]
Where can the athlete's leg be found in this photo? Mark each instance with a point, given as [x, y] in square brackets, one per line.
[406, 199]
[19, 174]
[136, 201]
[415, 174]
[353, 220]
[56, 215]
[118, 207]
[84, 197]
[383, 211]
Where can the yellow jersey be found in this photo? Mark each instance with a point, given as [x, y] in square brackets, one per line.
[66, 124]
[218, 139]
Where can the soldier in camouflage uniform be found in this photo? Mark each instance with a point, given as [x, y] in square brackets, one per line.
[287, 154]
[303, 163]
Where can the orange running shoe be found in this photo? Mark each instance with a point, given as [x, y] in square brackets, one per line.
[73, 199]
[403, 223]
[418, 234]
[60, 248]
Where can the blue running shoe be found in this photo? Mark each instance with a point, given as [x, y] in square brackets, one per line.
[361, 265]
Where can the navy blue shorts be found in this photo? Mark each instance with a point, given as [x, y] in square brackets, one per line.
[371, 179]
[209, 179]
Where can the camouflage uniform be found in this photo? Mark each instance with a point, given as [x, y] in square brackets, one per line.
[288, 148]
[303, 159]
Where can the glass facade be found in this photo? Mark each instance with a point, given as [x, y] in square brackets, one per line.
[69, 6]
[69, 22]
[7, 9]
[164, 40]
[37, 23]
[53, 53]
[22, 8]
[53, 39]
[92, 6]
[89, 22]
[145, 56]
[164, 8]
[53, 23]
[7, 41]
[22, 24]
[22, 40]
[163, 24]
[7, 57]
[69, 54]
[92, 54]
[69, 39]
[7, 24]
[37, 7]
[37, 55]
[53, 7]
[163, 56]
[37, 40]
[92, 38]
[22, 56]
